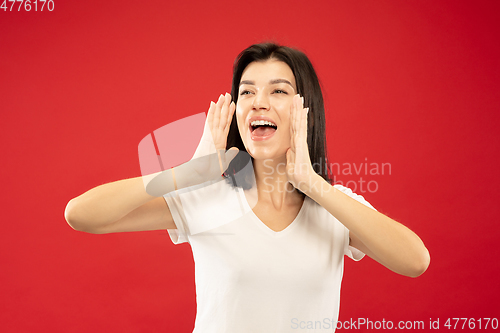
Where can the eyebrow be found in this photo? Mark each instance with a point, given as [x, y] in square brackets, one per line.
[275, 81]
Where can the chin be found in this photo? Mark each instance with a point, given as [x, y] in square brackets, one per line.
[264, 154]
[263, 150]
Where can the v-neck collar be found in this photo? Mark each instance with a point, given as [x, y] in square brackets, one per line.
[263, 226]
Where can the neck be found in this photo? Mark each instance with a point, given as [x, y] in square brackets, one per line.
[272, 182]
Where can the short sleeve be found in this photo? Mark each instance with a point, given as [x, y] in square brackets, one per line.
[178, 235]
[350, 251]
[203, 208]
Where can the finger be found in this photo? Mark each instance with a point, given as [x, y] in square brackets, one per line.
[293, 117]
[218, 107]
[224, 111]
[292, 143]
[294, 114]
[298, 113]
[303, 130]
[232, 109]
[210, 115]
[290, 162]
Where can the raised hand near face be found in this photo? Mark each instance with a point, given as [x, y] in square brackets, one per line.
[211, 156]
[298, 163]
[210, 159]
[217, 126]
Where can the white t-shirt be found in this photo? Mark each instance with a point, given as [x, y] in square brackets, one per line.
[250, 278]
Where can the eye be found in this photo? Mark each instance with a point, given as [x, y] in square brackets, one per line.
[280, 91]
[244, 92]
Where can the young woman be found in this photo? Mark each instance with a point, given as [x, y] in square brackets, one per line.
[268, 242]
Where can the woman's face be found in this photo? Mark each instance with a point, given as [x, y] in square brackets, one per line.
[263, 109]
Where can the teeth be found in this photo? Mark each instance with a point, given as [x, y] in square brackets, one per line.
[262, 122]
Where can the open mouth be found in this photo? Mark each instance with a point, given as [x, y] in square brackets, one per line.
[262, 128]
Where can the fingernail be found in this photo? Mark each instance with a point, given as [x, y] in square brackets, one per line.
[307, 110]
[302, 99]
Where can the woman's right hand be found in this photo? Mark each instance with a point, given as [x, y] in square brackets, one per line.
[211, 158]
[217, 125]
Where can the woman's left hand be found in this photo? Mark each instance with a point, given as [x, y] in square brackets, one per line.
[298, 163]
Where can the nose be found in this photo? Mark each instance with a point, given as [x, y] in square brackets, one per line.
[261, 101]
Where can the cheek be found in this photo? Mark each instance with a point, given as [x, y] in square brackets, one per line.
[240, 118]
[238, 111]
[240, 121]
[285, 117]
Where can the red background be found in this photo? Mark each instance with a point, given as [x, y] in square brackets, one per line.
[410, 83]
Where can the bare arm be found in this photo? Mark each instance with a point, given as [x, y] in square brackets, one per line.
[126, 205]
[119, 206]
[388, 242]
